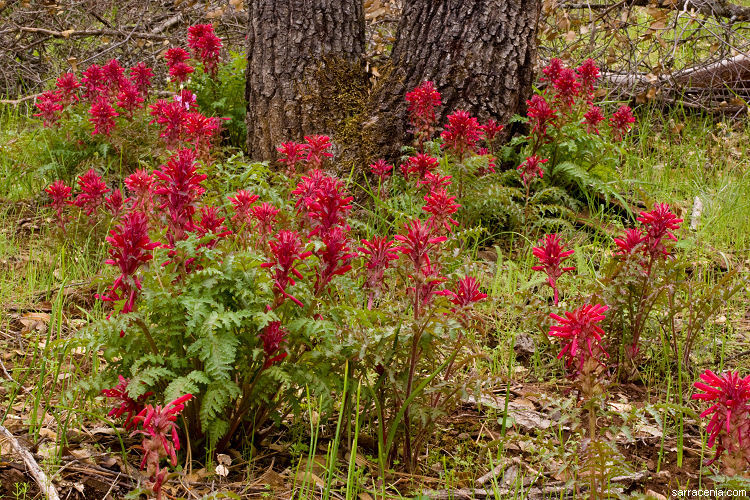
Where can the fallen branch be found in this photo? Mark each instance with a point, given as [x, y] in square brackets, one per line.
[88, 33]
[711, 8]
[48, 489]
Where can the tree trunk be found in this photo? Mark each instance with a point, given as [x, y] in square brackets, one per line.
[480, 55]
[293, 47]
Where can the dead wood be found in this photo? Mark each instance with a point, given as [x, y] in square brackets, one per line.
[45, 485]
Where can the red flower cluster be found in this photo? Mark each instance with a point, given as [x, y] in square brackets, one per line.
[729, 427]
[286, 252]
[381, 169]
[551, 255]
[530, 168]
[140, 183]
[102, 116]
[273, 336]
[621, 121]
[92, 192]
[60, 194]
[582, 337]
[592, 118]
[540, 114]
[440, 205]
[205, 46]
[324, 200]
[491, 130]
[115, 203]
[466, 293]
[378, 253]
[422, 103]
[291, 153]
[127, 406]
[334, 258]
[658, 225]
[567, 87]
[419, 166]
[50, 107]
[317, 148]
[243, 204]
[461, 134]
[265, 214]
[178, 68]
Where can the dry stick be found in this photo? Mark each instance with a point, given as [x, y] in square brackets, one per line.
[36, 472]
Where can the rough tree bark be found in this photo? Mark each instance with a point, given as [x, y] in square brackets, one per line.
[290, 44]
[480, 55]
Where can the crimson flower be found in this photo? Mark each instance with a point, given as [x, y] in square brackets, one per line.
[242, 201]
[130, 248]
[287, 252]
[291, 153]
[206, 46]
[378, 253]
[381, 169]
[179, 190]
[621, 122]
[490, 162]
[273, 336]
[581, 336]
[50, 107]
[550, 256]
[567, 86]
[158, 425]
[115, 203]
[335, 258]
[265, 214]
[140, 184]
[630, 242]
[530, 168]
[127, 405]
[592, 118]
[466, 293]
[129, 99]
[199, 130]
[68, 86]
[541, 115]
[102, 116]
[659, 224]
[141, 76]
[92, 192]
[328, 206]
[307, 189]
[417, 244]
[553, 69]
[461, 134]
[422, 102]
[211, 223]
[435, 181]
[176, 55]
[440, 205]
[94, 81]
[491, 129]
[588, 72]
[170, 116]
[60, 194]
[419, 165]
[114, 76]
[730, 416]
[317, 150]
[181, 71]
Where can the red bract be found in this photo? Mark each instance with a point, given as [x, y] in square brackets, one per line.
[490, 162]
[381, 169]
[291, 153]
[242, 202]
[140, 184]
[422, 103]
[553, 69]
[378, 253]
[306, 190]
[114, 76]
[127, 406]
[181, 71]
[179, 191]
[115, 203]
[273, 336]
[659, 224]
[588, 72]
[466, 293]
[170, 116]
[317, 150]
[186, 99]
[551, 255]
[567, 86]
[435, 181]
[630, 242]
[621, 121]
[206, 46]
[328, 205]
[129, 99]
[141, 76]
[200, 130]
[94, 81]
[491, 129]
[60, 194]
[440, 205]
[68, 86]
[540, 115]
[49, 107]
[176, 55]
[530, 168]
[211, 223]
[592, 118]
[417, 244]
[335, 258]
[287, 252]
[730, 417]
[102, 116]
[581, 337]
[92, 192]
[419, 166]
[461, 134]
[130, 248]
[265, 214]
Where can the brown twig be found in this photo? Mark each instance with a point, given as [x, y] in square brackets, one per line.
[45, 485]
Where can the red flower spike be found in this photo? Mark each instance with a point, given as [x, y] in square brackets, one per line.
[199, 130]
[60, 195]
[729, 395]
[567, 86]
[68, 86]
[179, 190]
[317, 150]
[551, 255]
[287, 252]
[378, 253]
[440, 205]
[92, 192]
[530, 168]
[553, 69]
[94, 81]
[211, 223]
[170, 115]
[491, 130]
[630, 242]
[114, 76]
[50, 107]
[581, 336]
[291, 153]
[181, 72]
[466, 293]
[265, 214]
[461, 134]
[592, 118]
[422, 102]
[335, 258]
[328, 206]
[273, 337]
[541, 115]
[243, 201]
[419, 166]
[306, 190]
[115, 203]
[176, 55]
[381, 169]
[140, 183]
[206, 46]
[621, 122]
[659, 224]
[102, 116]
[417, 244]
[435, 181]
[129, 99]
[127, 405]
[588, 73]
[140, 76]
[490, 162]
